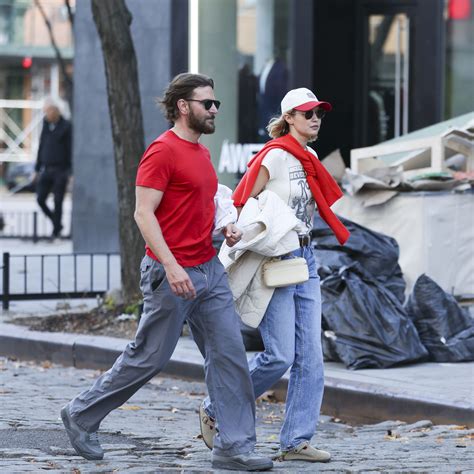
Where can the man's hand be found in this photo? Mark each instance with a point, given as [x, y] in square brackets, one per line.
[232, 234]
[180, 283]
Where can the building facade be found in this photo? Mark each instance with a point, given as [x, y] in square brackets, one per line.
[29, 71]
[388, 67]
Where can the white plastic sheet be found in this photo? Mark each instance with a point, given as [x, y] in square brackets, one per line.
[435, 232]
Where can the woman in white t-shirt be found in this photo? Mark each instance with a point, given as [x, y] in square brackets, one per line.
[291, 326]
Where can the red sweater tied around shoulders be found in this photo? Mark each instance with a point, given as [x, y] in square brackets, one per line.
[324, 189]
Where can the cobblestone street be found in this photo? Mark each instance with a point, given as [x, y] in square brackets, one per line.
[157, 431]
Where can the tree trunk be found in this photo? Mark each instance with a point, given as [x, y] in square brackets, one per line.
[113, 19]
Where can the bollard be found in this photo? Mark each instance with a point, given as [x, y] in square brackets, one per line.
[6, 280]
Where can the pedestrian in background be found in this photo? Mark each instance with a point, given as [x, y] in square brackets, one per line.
[53, 163]
[181, 279]
[291, 323]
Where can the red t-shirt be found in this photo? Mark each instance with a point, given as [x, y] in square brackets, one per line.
[183, 171]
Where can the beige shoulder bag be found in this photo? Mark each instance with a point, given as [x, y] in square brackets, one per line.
[291, 271]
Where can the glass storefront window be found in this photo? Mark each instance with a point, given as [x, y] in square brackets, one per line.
[5, 20]
[459, 80]
[388, 77]
[262, 48]
[244, 47]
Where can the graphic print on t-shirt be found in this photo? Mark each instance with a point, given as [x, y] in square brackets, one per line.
[301, 199]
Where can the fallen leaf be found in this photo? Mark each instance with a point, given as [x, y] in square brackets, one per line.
[130, 407]
[394, 436]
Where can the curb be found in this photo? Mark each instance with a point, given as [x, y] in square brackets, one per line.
[351, 401]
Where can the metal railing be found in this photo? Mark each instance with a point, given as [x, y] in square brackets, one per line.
[30, 225]
[58, 276]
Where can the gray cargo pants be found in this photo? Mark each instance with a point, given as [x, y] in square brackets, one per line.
[215, 328]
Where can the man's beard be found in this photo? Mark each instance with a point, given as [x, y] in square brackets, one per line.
[205, 125]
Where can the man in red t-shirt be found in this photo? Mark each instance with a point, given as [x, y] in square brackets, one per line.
[181, 279]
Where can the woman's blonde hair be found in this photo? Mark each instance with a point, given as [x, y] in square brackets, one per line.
[278, 127]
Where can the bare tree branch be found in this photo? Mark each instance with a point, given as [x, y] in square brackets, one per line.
[66, 77]
[70, 14]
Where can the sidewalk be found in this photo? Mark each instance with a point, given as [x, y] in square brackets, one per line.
[442, 393]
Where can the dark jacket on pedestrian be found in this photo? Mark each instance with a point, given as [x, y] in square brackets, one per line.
[55, 146]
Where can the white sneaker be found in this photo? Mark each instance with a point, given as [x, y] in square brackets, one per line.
[208, 427]
[305, 452]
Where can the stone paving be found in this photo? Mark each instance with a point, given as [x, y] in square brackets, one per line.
[157, 431]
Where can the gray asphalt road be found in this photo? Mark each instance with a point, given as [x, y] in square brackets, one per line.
[157, 431]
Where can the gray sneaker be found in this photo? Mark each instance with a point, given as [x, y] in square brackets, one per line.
[242, 462]
[86, 444]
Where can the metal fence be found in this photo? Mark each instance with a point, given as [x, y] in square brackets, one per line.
[58, 276]
[30, 225]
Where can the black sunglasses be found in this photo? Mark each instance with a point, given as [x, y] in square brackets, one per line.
[208, 103]
[308, 115]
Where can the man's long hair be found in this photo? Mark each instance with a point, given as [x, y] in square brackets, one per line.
[181, 87]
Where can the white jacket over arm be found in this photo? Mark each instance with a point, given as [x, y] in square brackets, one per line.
[226, 213]
[270, 228]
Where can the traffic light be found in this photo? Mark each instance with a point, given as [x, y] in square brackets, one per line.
[26, 62]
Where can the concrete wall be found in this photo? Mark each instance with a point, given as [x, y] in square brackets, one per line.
[94, 218]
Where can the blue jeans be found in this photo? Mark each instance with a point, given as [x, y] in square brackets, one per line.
[291, 332]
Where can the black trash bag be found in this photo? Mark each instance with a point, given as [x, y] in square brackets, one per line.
[445, 329]
[364, 323]
[377, 253]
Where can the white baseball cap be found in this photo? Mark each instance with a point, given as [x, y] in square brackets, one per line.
[302, 99]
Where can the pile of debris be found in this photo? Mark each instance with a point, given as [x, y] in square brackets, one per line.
[437, 158]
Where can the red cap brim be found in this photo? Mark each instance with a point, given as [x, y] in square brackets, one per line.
[311, 105]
